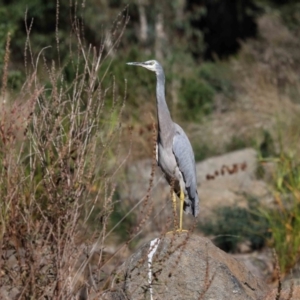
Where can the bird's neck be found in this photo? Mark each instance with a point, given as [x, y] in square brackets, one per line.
[165, 123]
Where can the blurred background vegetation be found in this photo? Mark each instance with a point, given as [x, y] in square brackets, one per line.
[232, 69]
[189, 32]
[198, 43]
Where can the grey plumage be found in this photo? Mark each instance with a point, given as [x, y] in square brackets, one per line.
[175, 154]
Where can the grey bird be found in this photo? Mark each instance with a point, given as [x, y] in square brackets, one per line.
[174, 152]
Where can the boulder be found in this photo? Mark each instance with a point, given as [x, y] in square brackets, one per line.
[259, 263]
[286, 293]
[184, 266]
[228, 180]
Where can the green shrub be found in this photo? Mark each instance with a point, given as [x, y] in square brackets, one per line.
[197, 91]
[233, 225]
[290, 14]
[196, 98]
[203, 151]
[217, 75]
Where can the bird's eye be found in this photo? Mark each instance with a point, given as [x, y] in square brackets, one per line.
[150, 63]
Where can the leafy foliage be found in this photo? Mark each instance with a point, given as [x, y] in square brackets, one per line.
[234, 225]
[217, 75]
[196, 98]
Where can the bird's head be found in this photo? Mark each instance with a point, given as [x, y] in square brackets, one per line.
[151, 65]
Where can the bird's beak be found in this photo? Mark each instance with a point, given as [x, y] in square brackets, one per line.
[134, 63]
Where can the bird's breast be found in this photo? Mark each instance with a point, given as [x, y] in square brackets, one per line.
[167, 161]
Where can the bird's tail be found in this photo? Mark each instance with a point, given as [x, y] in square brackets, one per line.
[191, 206]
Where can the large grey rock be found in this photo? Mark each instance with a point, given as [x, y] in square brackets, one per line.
[259, 263]
[291, 292]
[228, 180]
[184, 267]
[242, 164]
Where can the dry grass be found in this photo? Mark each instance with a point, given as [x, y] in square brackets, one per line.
[60, 154]
[278, 293]
[207, 281]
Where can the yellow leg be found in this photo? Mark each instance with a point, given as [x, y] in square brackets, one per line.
[174, 211]
[181, 209]
[175, 214]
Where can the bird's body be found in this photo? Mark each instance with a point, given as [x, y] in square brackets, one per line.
[174, 151]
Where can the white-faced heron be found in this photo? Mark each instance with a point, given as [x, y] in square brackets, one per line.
[174, 152]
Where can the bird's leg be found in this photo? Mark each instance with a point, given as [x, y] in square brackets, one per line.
[174, 210]
[181, 209]
[176, 229]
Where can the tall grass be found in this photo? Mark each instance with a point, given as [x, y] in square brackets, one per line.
[284, 219]
[59, 156]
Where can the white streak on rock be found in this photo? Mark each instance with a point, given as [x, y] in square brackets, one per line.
[153, 247]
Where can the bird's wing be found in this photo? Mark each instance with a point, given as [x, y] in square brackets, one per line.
[184, 155]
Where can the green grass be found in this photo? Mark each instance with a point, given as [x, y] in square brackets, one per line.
[284, 219]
